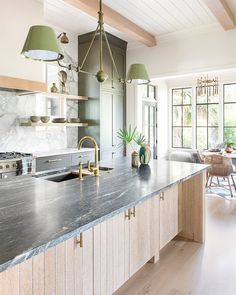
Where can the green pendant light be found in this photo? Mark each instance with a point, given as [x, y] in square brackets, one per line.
[137, 73]
[41, 44]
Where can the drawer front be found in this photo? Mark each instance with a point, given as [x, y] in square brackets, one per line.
[52, 162]
[84, 157]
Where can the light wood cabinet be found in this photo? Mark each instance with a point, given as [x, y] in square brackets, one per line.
[111, 255]
[125, 243]
[66, 269]
[169, 215]
[144, 233]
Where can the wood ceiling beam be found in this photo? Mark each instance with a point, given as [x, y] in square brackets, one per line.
[115, 20]
[222, 12]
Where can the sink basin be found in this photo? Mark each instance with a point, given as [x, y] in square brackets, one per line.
[70, 175]
[62, 177]
[105, 168]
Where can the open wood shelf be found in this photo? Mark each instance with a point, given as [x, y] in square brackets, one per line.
[31, 124]
[59, 95]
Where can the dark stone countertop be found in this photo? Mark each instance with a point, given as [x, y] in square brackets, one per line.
[36, 214]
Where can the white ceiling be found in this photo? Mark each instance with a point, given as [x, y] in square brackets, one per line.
[162, 18]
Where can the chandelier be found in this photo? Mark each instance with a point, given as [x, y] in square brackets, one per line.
[42, 44]
[206, 86]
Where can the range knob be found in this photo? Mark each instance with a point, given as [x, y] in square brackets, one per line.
[1, 167]
[7, 166]
[13, 165]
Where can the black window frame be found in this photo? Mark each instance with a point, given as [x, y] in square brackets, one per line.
[224, 103]
[182, 123]
[207, 126]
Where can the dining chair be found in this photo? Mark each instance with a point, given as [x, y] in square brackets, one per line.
[220, 166]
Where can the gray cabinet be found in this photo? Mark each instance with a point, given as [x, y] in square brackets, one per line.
[105, 109]
[62, 161]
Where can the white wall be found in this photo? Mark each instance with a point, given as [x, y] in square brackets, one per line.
[16, 18]
[192, 54]
[196, 53]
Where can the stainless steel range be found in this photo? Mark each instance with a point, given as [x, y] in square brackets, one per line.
[14, 163]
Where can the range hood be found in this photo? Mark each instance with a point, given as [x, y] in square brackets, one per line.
[21, 86]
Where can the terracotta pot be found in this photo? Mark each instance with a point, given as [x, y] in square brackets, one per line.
[229, 149]
[145, 154]
[134, 159]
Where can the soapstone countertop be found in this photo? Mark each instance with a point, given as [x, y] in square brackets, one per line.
[36, 214]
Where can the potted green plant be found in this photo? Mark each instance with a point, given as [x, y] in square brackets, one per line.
[134, 139]
[229, 147]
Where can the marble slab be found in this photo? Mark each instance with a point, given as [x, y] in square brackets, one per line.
[36, 214]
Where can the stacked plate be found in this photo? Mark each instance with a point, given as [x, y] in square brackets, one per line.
[74, 120]
[59, 120]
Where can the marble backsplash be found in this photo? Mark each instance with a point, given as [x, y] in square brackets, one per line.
[14, 137]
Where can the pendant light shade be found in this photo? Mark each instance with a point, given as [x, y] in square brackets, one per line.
[137, 73]
[41, 44]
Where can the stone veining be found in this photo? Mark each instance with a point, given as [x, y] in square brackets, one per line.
[36, 214]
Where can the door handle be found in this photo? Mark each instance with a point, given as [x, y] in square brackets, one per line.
[128, 214]
[79, 241]
[133, 212]
[53, 160]
[162, 197]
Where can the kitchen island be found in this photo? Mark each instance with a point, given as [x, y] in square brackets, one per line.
[90, 236]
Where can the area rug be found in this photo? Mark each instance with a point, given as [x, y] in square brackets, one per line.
[220, 190]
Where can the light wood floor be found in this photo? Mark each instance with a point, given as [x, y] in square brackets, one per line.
[189, 268]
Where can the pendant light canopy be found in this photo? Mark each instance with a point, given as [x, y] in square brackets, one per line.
[137, 73]
[41, 44]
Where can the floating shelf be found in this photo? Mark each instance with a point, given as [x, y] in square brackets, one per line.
[59, 95]
[31, 124]
[66, 96]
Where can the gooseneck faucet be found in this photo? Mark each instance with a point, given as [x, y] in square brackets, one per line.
[89, 138]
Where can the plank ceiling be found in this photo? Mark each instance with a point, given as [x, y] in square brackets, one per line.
[159, 17]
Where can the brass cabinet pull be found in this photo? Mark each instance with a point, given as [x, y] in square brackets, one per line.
[54, 160]
[128, 214]
[133, 212]
[162, 197]
[79, 240]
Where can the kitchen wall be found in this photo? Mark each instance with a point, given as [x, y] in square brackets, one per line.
[13, 107]
[179, 55]
[16, 18]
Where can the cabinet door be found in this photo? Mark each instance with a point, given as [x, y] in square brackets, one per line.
[120, 60]
[168, 215]
[64, 269]
[144, 234]
[111, 254]
[106, 121]
[118, 122]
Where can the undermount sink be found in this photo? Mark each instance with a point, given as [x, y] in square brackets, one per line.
[62, 177]
[105, 168]
[70, 175]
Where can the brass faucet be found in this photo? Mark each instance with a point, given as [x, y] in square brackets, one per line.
[89, 138]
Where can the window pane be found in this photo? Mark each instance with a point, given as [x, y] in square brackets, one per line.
[230, 135]
[187, 116]
[201, 115]
[230, 115]
[213, 137]
[142, 91]
[213, 115]
[201, 99]
[151, 90]
[177, 137]
[230, 93]
[187, 137]
[177, 96]
[201, 138]
[187, 95]
[177, 116]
